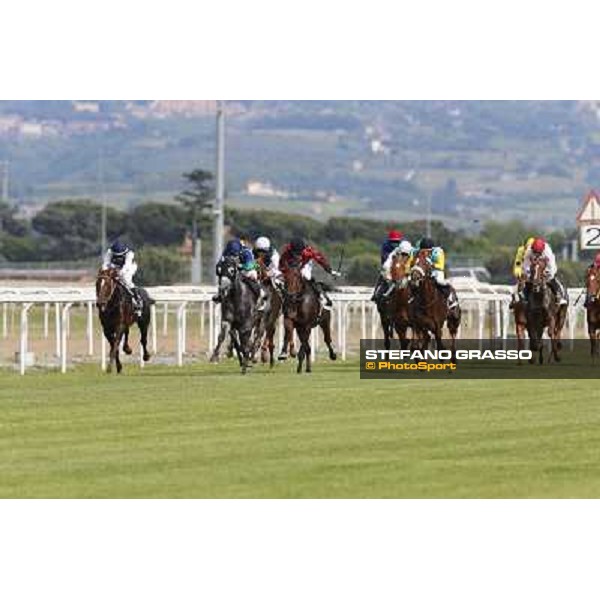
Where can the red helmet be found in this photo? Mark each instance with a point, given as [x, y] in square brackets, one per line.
[597, 260]
[395, 236]
[538, 246]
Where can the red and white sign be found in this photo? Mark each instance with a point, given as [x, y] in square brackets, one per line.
[588, 221]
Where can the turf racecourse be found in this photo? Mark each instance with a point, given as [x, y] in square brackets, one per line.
[206, 431]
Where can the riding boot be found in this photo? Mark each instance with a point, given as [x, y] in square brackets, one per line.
[262, 300]
[557, 290]
[388, 287]
[378, 290]
[136, 301]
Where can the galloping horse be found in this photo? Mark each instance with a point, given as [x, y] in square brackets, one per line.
[116, 313]
[302, 311]
[518, 307]
[393, 308]
[592, 285]
[270, 315]
[239, 316]
[543, 312]
[399, 308]
[429, 308]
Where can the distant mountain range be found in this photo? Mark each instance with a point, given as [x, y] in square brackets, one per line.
[464, 161]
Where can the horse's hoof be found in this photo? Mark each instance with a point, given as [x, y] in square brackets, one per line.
[332, 356]
[127, 349]
[282, 357]
[146, 357]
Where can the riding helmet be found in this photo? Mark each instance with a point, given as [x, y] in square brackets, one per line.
[297, 244]
[118, 248]
[262, 243]
[538, 246]
[426, 244]
[233, 248]
[395, 236]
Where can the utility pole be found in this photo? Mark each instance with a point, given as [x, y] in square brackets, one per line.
[220, 188]
[5, 167]
[103, 236]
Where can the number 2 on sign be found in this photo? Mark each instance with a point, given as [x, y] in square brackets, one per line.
[590, 237]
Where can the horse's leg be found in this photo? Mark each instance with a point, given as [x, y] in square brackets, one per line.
[245, 348]
[117, 343]
[110, 338]
[225, 327]
[301, 353]
[326, 328]
[126, 347]
[288, 337]
[143, 324]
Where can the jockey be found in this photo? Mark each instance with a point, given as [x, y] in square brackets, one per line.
[519, 256]
[437, 259]
[541, 249]
[119, 256]
[238, 250]
[263, 249]
[386, 286]
[589, 298]
[299, 253]
[393, 241]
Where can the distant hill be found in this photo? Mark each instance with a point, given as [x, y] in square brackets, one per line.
[527, 160]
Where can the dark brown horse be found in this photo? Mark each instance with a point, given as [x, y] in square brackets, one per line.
[302, 312]
[265, 331]
[592, 286]
[398, 305]
[115, 309]
[518, 307]
[543, 312]
[429, 308]
[392, 306]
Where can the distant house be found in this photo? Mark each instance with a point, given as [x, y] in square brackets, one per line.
[265, 189]
[89, 107]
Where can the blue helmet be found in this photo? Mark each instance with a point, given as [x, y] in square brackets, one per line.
[118, 248]
[233, 247]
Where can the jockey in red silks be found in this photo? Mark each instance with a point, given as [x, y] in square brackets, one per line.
[590, 298]
[299, 254]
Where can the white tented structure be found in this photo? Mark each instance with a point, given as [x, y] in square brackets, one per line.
[486, 314]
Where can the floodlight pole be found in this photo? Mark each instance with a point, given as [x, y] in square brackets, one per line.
[220, 187]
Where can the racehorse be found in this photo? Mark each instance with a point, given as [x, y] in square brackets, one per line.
[518, 307]
[115, 309]
[592, 285]
[265, 330]
[393, 308]
[543, 312]
[429, 308]
[239, 316]
[302, 312]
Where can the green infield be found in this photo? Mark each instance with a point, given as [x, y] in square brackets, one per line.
[205, 431]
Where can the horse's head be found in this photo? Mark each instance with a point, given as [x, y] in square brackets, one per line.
[294, 283]
[421, 269]
[538, 276]
[106, 284]
[262, 268]
[399, 267]
[592, 281]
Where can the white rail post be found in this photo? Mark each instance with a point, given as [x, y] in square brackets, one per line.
[165, 319]
[24, 334]
[90, 328]
[374, 317]
[363, 320]
[345, 320]
[211, 327]
[153, 326]
[5, 320]
[340, 332]
[57, 327]
[102, 352]
[481, 315]
[46, 319]
[184, 330]
[313, 351]
[180, 333]
[64, 336]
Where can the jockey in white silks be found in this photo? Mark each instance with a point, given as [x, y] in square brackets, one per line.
[404, 249]
[270, 258]
[541, 249]
[122, 258]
